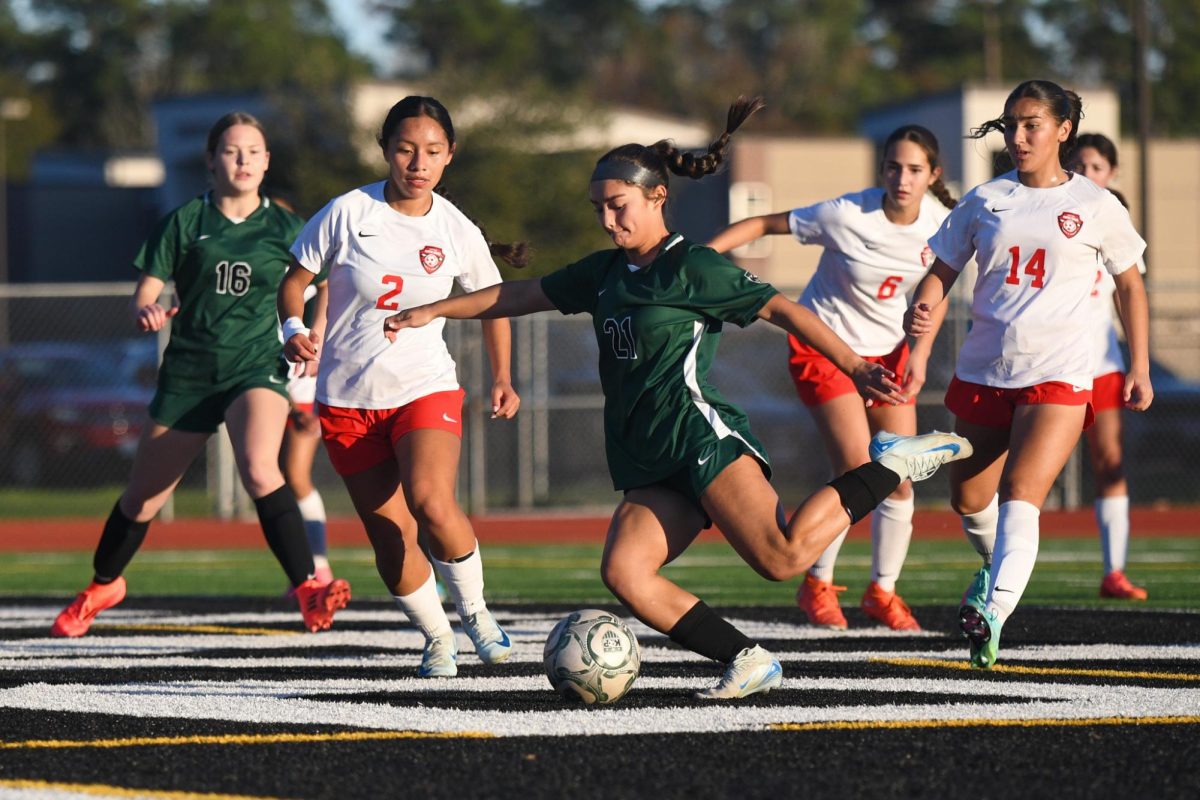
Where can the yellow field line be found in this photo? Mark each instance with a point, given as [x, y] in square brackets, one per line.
[100, 790]
[169, 628]
[979, 723]
[1013, 669]
[266, 738]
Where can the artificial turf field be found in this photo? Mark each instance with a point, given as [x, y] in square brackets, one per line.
[188, 690]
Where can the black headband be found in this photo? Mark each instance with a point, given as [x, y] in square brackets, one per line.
[619, 170]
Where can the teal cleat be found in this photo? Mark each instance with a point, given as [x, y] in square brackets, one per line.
[440, 658]
[492, 644]
[982, 629]
[915, 458]
[976, 594]
[752, 671]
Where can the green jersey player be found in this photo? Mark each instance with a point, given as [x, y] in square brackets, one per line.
[227, 252]
[683, 456]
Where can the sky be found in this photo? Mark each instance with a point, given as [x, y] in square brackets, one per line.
[364, 32]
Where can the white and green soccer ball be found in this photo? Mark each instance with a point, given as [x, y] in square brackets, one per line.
[591, 656]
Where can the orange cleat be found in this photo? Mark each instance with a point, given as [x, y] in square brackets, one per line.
[1116, 586]
[818, 600]
[318, 602]
[76, 618]
[888, 608]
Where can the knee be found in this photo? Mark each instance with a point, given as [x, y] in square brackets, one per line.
[140, 509]
[433, 507]
[261, 477]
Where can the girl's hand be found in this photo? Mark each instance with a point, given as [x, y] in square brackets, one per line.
[877, 383]
[1138, 391]
[918, 319]
[914, 377]
[153, 317]
[302, 349]
[417, 317]
[505, 400]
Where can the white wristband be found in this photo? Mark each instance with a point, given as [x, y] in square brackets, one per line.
[292, 326]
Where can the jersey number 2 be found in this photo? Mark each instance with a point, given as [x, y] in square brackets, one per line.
[1035, 266]
[385, 300]
[621, 333]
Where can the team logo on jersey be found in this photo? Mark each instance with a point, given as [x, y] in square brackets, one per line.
[750, 276]
[432, 258]
[1069, 223]
[927, 257]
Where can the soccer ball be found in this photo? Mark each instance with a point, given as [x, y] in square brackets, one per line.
[591, 656]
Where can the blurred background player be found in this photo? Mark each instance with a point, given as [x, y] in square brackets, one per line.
[683, 456]
[1095, 157]
[875, 251]
[391, 414]
[1021, 390]
[226, 251]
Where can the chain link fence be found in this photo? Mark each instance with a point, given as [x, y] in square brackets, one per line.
[75, 381]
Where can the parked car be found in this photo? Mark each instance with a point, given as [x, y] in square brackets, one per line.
[72, 412]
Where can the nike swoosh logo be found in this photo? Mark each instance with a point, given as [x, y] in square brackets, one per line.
[998, 210]
[448, 418]
[771, 671]
[871, 245]
[274, 379]
[202, 237]
[703, 461]
[602, 291]
[1076, 388]
[364, 234]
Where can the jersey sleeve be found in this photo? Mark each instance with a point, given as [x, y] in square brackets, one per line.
[317, 240]
[810, 224]
[158, 255]
[1120, 247]
[718, 288]
[479, 269]
[954, 242]
[573, 288]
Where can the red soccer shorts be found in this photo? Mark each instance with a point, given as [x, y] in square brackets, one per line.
[819, 381]
[360, 438]
[993, 407]
[1108, 391]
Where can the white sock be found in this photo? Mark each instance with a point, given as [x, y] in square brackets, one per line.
[464, 582]
[980, 529]
[891, 531]
[822, 569]
[312, 510]
[1112, 515]
[424, 610]
[1016, 552]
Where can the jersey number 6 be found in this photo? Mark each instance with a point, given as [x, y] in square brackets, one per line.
[385, 300]
[889, 286]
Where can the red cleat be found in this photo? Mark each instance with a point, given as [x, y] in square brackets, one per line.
[888, 608]
[1116, 586]
[818, 600]
[76, 618]
[317, 602]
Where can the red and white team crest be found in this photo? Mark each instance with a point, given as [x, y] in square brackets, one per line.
[432, 258]
[1069, 223]
[927, 257]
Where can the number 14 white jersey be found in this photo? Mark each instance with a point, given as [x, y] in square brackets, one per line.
[1032, 316]
[381, 262]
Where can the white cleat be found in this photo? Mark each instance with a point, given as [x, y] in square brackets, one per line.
[491, 642]
[752, 671]
[440, 659]
[915, 458]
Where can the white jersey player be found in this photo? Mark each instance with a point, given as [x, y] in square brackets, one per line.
[875, 253]
[1023, 382]
[391, 412]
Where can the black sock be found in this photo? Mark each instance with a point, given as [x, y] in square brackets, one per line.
[863, 488]
[284, 528]
[118, 543]
[702, 631]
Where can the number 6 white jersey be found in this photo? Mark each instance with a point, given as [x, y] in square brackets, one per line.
[1032, 316]
[382, 261]
[868, 266]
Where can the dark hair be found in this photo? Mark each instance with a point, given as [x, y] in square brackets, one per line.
[663, 155]
[1098, 142]
[225, 123]
[923, 137]
[515, 254]
[1063, 104]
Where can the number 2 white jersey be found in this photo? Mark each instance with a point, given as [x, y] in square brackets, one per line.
[868, 266]
[382, 261]
[1032, 316]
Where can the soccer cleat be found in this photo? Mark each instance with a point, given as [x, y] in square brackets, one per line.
[491, 642]
[439, 660]
[76, 618]
[888, 608]
[752, 671]
[323, 575]
[915, 458]
[317, 602]
[818, 600]
[1116, 586]
[982, 629]
[976, 594]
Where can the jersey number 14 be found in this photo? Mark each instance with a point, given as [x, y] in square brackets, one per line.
[1035, 266]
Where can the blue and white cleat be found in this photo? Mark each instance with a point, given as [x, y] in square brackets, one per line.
[491, 642]
[976, 594]
[915, 458]
[440, 659]
[752, 671]
[982, 629]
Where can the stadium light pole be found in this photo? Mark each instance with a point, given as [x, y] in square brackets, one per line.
[12, 109]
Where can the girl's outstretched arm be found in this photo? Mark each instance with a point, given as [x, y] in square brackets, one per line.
[510, 299]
